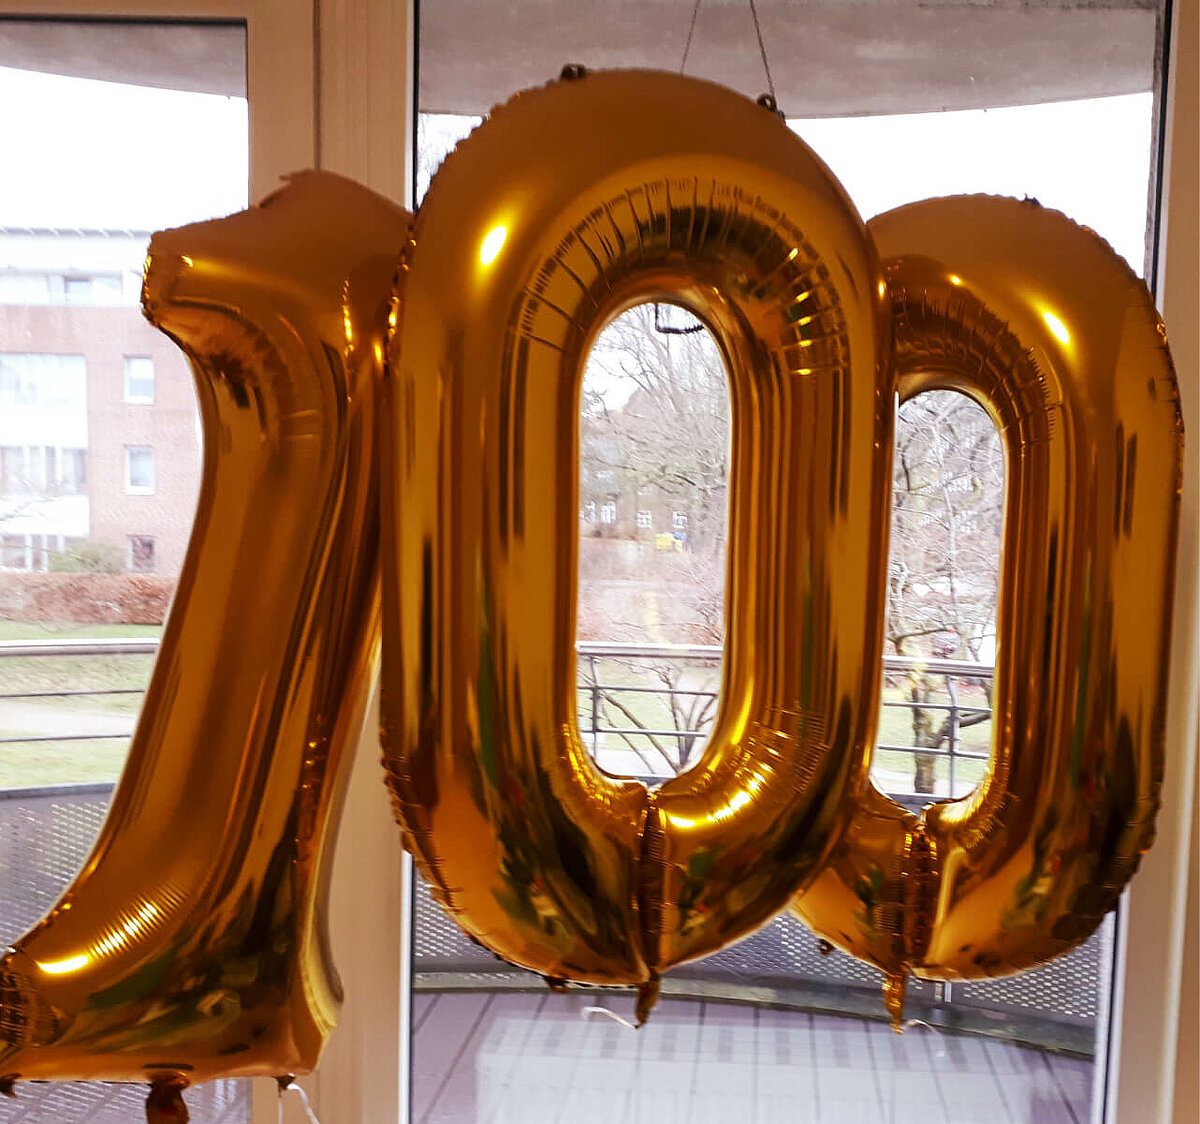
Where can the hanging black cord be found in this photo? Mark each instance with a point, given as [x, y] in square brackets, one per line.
[666, 329]
[691, 31]
[762, 50]
[659, 326]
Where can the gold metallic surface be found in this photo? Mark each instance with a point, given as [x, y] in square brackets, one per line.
[567, 206]
[1041, 323]
[193, 944]
[165, 1103]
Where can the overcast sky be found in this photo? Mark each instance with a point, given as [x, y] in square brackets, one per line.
[1089, 159]
[83, 153]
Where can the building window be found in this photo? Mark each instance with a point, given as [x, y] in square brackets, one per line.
[14, 554]
[77, 290]
[57, 382]
[589, 512]
[139, 378]
[678, 521]
[139, 469]
[608, 512]
[140, 557]
[645, 520]
[14, 480]
[73, 478]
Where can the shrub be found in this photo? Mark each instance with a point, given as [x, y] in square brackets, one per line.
[86, 598]
[88, 558]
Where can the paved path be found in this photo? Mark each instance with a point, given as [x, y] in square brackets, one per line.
[50, 718]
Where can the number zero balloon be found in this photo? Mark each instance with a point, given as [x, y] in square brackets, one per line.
[1048, 329]
[569, 205]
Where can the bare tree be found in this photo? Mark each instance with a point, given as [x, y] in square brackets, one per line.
[655, 439]
[656, 419]
[655, 429]
[947, 510]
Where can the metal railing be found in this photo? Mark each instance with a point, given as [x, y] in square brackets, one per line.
[42, 649]
[604, 702]
[53, 826]
[628, 724]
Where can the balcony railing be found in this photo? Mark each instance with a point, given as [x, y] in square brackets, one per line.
[646, 710]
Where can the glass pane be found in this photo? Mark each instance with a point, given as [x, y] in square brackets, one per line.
[904, 102]
[943, 585]
[654, 450]
[122, 129]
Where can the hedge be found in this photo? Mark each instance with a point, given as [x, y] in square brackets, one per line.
[85, 598]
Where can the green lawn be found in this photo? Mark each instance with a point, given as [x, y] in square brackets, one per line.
[65, 762]
[68, 762]
[56, 630]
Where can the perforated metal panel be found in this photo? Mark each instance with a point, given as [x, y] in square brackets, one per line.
[45, 835]
[1069, 986]
[44, 838]
[1054, 1006]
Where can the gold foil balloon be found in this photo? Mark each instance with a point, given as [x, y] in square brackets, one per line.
[1047, 328]
[567, 206]
[193, 943]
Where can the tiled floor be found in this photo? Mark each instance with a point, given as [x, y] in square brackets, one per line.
[504, 1058]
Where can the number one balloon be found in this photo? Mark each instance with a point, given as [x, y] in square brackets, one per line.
[193, 943]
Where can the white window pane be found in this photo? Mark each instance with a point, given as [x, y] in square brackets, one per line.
[139, 378]
[1046, 103]
[139, 468]
[98, 152]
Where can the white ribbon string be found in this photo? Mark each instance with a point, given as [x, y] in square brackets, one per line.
[294, 1088]
[608, 1015]
[921, 1024]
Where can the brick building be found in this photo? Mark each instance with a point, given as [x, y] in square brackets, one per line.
[99, 436]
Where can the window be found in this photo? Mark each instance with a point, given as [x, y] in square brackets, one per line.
[589, 512]
[645, 520]
[24, 288]
[139, 378]
[37, 475]
[13, 478]
[139, 469]
[42, 470]
[52, 382]
[140, 555]
[14, 553]
[77, 290]
[679, 521]
[107, 288]
[608, 512]
[1137, 1046]
[73, 478]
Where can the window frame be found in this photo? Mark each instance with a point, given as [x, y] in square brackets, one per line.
[132, 489]
[130, 397]
[310, 106]
[132, 542]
